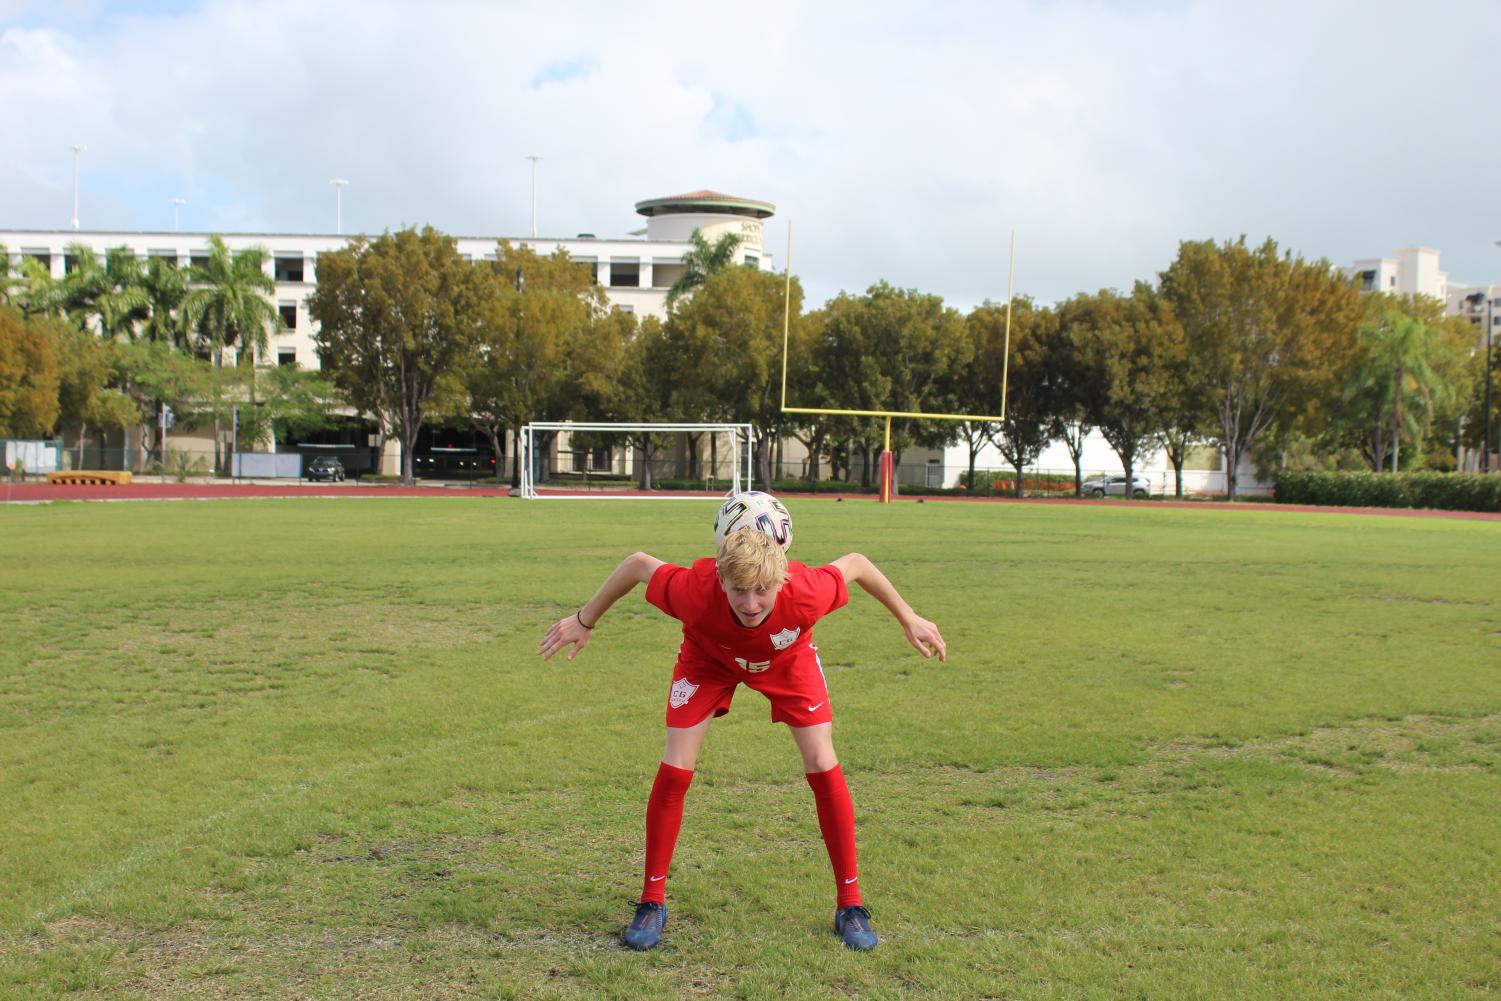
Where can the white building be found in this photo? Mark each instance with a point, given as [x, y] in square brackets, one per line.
[1409, 271]
[636, 270]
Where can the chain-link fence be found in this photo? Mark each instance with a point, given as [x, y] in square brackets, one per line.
[913, 479]
[604, 471]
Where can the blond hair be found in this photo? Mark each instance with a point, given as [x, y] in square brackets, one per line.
[752, 560]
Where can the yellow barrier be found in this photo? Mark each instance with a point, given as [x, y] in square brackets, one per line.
[90, 477]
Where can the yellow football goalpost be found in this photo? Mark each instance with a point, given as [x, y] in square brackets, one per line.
[887, 472]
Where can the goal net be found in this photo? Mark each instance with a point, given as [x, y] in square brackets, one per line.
[603, 460]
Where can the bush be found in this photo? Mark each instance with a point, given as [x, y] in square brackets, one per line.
[1440, 491]
[992, 483]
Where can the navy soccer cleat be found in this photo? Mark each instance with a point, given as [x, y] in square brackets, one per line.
[645, 929]
[853, 925]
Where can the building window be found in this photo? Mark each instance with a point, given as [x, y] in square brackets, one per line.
[286, 357]
[198, 260]
[288, 311]
[289, 269]
[625, 273]
[751, 260]
[626, 308]
[167, 257]
[1392, 281]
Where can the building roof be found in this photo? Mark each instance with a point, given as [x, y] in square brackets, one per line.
[705, 201]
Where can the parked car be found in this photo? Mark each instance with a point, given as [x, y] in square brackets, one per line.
[325, 467]
[1115, 486]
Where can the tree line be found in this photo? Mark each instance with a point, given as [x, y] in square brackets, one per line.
[113, 341]
[1246, 348]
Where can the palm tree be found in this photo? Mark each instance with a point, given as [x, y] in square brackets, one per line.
[117, 294]
[11, 283]
[1396, 385]
[227, 306]
[703, 260]
[165, 287]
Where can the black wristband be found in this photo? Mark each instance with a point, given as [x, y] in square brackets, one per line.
[576, 615]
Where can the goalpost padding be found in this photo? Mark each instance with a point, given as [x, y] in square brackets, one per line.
[737, 433]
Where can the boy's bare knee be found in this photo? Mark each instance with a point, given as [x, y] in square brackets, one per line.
[821, 761]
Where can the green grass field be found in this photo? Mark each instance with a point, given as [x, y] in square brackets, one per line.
[277, 749]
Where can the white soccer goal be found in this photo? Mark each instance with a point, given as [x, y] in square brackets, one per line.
[741, 437]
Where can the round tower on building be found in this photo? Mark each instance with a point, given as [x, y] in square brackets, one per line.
[712, 214]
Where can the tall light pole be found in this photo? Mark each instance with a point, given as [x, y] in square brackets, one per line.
[534, 160]
[339, 184]
[1475, 299]
[177, 204]
[77, 148]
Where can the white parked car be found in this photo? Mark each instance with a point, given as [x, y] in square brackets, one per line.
[1115, 486]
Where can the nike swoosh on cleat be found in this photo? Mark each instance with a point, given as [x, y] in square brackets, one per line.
[814, 708]
[850, 880]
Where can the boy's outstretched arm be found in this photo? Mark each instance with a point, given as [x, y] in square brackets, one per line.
[636, 568]
[921, 633]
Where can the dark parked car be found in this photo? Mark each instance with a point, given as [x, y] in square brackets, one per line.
[325, 467]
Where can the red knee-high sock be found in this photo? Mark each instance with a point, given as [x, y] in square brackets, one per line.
[664, 815]
[836, 818]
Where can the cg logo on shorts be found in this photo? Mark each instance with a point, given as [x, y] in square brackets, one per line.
[682, 691]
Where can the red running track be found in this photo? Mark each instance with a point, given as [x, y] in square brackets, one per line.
[34, 493]
[38, 492]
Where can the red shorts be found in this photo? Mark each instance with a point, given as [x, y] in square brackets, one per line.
[796, 688]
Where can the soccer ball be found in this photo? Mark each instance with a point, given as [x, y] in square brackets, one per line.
[753, 509]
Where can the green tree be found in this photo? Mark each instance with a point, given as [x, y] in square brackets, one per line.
[153, 373]
[398, 322]
[1271, 334]
[1133, 347]
[36, 292]
[10, 280]
[85, 366]
[227, 306]
[645, 392]
[1397, 383]
[28, 376]
[702, 261]
[293, 402]
[165, 287]
[1029, 423]
[534, 317]
[737, 314]
[894, 349]
[110, 297]
[980, 382]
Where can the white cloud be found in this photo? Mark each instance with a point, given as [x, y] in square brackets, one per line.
[904, 142]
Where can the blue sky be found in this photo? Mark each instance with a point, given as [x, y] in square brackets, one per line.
[904, 140]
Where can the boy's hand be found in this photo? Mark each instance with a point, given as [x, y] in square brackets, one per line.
[925, 636]
[564, 632]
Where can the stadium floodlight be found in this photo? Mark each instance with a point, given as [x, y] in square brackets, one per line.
[887, 471]
[741, 437]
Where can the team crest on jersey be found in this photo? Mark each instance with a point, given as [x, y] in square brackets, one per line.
[785, 638]
[682, 691]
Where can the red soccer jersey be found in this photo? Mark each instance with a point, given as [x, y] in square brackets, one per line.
[693, 595]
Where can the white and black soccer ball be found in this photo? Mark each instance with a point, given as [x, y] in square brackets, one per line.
[753, 509]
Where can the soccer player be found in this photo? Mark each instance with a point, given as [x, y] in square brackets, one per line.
[748, 619]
